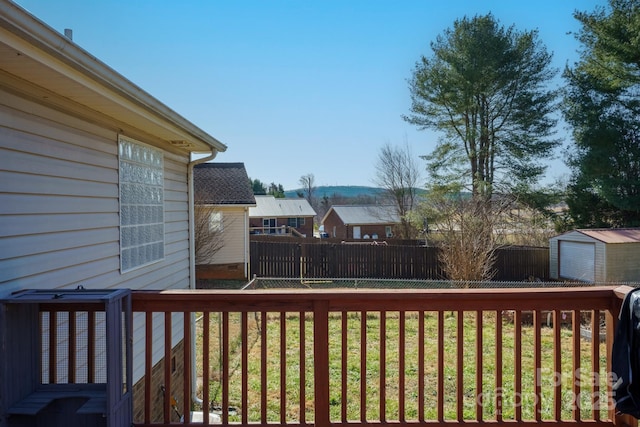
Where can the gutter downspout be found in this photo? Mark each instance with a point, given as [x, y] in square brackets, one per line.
[192, 267]
[247, 265]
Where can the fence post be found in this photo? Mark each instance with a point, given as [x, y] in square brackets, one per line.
[321, 362]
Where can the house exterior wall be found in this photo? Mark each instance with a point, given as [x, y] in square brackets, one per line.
[59, 208]
[372, 229]
[231, 261]
[336, 228]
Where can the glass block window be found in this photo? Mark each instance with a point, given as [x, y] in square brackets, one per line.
[141, 204]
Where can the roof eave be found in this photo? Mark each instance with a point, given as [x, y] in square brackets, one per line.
[107, 91]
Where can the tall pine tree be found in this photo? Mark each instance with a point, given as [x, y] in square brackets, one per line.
[602, 104]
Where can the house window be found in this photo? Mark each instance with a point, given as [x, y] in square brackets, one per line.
[141, 174]
[295, 222]
[215, 222]
[387, 231]
[269, 225]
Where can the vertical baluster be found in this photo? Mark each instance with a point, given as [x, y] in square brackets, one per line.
[148, 361]
[441, 366]
[537, 355]
[383, 364]
[479, 367]
[283, 367]
[321, 362]
[460, 365]
[245, 367]
[401, 367]
[225, 367]
[363, 366]
[557, 364]
[499, 389]
[575, 332]
[345, 355]
[167, 368]
[517, 360]
[595, 364]
[421, 395]
[303, 376]
[206, 367]
[186, 385]
[263, 367]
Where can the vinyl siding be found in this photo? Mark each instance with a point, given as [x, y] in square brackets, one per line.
[59, 210]
[233, 237]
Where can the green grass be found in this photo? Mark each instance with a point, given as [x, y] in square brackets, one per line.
[371, 376]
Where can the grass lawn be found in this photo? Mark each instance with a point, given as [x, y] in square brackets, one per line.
[369, 378]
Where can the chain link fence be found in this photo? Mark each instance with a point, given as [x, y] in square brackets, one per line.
[293, 283]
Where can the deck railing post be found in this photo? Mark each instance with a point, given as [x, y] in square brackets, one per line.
[321, 362]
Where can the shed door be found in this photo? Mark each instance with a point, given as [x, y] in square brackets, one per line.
[577, 260]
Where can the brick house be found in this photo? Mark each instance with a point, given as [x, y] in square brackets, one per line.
[361, 222]
[277, 217]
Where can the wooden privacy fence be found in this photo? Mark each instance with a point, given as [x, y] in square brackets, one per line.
[290, 259]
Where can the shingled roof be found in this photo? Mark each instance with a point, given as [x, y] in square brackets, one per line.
[222, 184]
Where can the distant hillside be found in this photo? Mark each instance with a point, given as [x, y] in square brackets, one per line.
[342, 190]
[346, 191]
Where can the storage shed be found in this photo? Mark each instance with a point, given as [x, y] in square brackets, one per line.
[596, 255]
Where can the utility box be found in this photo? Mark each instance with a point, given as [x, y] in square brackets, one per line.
[66, 358]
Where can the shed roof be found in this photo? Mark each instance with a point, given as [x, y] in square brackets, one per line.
[270, 207]
[365, 214]
[613, 235]
[34, 56]
[222, 184]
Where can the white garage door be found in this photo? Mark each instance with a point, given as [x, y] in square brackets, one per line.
[577, 260]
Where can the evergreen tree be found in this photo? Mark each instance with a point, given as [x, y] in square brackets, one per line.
[485, 88]
[602, 104]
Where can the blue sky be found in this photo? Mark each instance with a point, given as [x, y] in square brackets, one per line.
[294, 87]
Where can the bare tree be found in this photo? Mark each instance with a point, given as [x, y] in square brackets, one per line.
[308, 187]
[209, 224]
[398, 174]
[468, 231]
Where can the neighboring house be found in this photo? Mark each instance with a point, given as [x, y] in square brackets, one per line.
[596, 255]
[223, 196]
[95, 177]
[361, 222]
[282, 217]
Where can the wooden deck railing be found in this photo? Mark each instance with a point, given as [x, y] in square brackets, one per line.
[350, 358]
